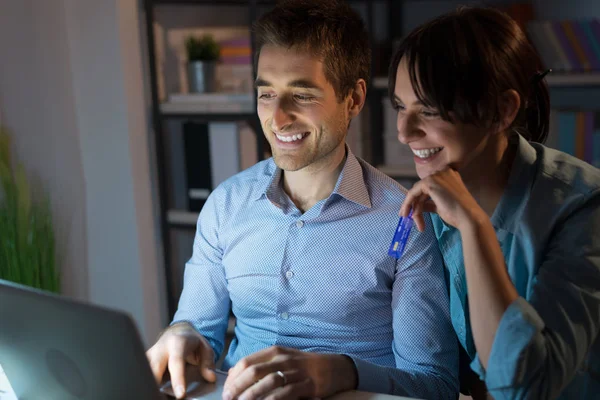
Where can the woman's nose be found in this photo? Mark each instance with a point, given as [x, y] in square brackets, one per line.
[407, 127]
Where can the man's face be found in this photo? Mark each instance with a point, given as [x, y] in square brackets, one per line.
[298, 109]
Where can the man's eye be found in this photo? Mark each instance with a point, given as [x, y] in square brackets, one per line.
[303, 97]
[265, 96]
[398, 107]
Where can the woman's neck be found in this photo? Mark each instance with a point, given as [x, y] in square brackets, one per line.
[486, 177]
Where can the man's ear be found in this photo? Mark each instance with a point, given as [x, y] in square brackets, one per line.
[510, 103]
[356, 99]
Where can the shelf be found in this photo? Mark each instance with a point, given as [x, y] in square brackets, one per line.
[380, 82]
[212, 2]
[224, 2]
[182, 218]
[573, 79]
[556, 79]
[393, 171]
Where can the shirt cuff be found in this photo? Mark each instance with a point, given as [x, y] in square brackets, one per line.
[369, 377]
[516, 331]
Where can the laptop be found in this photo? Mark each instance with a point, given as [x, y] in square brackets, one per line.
[55, 348]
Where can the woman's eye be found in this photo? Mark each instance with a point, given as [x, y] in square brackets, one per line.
[430, 114]
[398, 107]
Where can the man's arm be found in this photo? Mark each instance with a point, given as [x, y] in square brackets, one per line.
[204, 301]
[425, 344]
[196, 335]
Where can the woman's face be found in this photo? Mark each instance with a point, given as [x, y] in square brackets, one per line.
[436, 144]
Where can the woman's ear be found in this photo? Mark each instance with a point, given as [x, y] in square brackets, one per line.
[510, 103]
[357, 98]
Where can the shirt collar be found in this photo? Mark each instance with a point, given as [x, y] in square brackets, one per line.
[514, 199]
[350, 185]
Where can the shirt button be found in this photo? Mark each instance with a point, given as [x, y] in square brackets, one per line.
[284, 315]
[299, 223]
[289, 274]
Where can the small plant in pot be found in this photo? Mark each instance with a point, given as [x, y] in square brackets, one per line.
[203, 54]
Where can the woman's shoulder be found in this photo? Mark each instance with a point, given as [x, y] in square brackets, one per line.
[562, 174]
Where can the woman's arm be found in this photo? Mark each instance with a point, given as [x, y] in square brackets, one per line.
[526, 348]
[490, 289]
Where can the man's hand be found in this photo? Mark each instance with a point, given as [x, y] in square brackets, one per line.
[282, 373]
[178, 345]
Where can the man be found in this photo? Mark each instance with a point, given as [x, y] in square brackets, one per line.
[297, 244]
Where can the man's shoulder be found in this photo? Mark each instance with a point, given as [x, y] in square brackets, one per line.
[250, 179]
[380, 185]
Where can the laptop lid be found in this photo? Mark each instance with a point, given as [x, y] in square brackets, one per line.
[52, 347]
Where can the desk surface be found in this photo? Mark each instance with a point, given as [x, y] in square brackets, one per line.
[6, 392]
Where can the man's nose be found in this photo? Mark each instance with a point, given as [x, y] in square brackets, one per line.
[282, 117]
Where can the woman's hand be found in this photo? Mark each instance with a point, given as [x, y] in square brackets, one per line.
[445, 194]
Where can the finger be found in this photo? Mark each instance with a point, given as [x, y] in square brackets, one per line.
[302, 389]
[418, 212]
[410, 198]
[158, 362]
[205, 360]
[271, 383]
[259, 357]
[429, 206]
[249, 377]
[177, 371]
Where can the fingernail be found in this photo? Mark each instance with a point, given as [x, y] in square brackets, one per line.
[227, 395]
[179, 391]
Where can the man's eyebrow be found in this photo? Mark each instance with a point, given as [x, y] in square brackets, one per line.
[304, 84]
[298, 83]
[261, 82]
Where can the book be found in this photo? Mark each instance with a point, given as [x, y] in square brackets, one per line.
[574, 42]
[586, 45]
[565, 45]
[548, 32]
[197, 164]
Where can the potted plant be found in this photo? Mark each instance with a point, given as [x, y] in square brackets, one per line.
[27, 248]
[202, 53]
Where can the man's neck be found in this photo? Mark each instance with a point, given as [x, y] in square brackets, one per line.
[487, 188]
[316, 182]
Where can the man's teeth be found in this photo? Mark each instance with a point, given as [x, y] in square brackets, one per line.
[291, 138]
[424, 153]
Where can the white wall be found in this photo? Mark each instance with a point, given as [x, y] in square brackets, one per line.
[37, 105]
[72, 90]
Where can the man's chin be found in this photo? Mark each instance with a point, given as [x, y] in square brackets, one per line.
[289, 164]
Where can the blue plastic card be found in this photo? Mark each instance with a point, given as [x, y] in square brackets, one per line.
[401, 236]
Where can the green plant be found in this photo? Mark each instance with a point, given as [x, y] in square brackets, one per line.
[27, 247]
[203, 48]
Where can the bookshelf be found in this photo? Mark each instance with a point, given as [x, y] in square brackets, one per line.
[397, 17]
[558, 79]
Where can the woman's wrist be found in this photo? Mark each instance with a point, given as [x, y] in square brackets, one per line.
[473, 221]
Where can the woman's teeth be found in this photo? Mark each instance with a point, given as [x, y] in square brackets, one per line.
[425, 153]
[291, 138]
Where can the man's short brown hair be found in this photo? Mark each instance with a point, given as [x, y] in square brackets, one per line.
[328, 29]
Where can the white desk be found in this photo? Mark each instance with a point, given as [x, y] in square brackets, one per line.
[6, 392]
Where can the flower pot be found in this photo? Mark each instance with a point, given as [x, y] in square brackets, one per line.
[201, 76]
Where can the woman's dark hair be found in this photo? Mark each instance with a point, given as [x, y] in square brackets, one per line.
[462, 62]
[329, 29]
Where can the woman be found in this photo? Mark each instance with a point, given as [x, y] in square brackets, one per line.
[518, 223]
